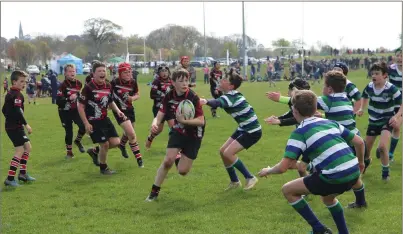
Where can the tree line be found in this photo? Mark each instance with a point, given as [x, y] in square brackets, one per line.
[102, 39]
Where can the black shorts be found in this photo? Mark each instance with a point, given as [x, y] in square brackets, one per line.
[247, 139]
[17, 136]
[317, 186]
[102, 130]
[68, 117]
[130, 115]
[376, 130]
[189, 145]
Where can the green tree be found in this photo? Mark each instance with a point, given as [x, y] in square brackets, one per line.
[25, 53]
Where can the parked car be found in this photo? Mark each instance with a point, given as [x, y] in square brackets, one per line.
[197, 64]
[33, 69]
[86, 70]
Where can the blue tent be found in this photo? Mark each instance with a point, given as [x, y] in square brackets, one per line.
[71, 59]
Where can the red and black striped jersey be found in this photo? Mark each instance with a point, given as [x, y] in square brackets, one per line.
[96, 99]
[121, 90]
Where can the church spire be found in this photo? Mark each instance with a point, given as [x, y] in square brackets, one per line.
[20, 33]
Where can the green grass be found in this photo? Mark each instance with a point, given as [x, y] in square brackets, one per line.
[72, 197]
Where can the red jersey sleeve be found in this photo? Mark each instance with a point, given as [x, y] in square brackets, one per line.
[164, 104]
[198, 107]
[84, 95]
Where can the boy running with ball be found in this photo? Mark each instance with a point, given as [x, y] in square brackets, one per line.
[186, 135]
[248, 133]
[324, 143]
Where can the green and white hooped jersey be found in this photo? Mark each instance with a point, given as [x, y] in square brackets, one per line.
[235, 104]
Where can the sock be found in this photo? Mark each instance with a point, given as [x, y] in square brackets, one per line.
[232, 174]
[79, 137]
[241, 167]
[338, 216]
[359, 195]
[393, 144]
[15, 162]
[23, 163]
[135, 149]
[103, 166]
[385, 171]
[69, 148]
[151, 137]
[177, 158]
[123, 141]
[302, 207]
[95, 149]
[155, 189]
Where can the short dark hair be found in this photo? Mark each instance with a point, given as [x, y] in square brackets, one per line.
[305, 102]
[17, 74]
[234, 78]
[181, 72]
[379, 66]
[96, 65]
[336, 80]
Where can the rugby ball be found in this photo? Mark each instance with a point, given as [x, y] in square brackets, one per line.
[186, 108]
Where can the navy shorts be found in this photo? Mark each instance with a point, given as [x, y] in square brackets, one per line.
[247, 139]
[377, 130]
[317, 186]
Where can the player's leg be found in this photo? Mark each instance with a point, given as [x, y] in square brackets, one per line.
[369, 143]
[134, 146]
[393, 141]
[243, 141]
[67, 123]
[337, 212]
[359, 193]
[229, 167]
[14, 164]
[189, 154]
[383, 151]
[81, 131]
[162, 172]
[152, 135]
[24, 176]
[293, 192]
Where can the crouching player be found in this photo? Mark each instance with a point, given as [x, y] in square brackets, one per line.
[13, 110]
[336, 168]
[186, 135]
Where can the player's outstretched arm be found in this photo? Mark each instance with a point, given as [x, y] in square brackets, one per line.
[364, 105]
[279, 168]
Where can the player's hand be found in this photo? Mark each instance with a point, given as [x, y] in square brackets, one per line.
[73, 97]
[154, 128]
[360, 112]
[362, 167]
[29, 129]
[318, 114]
[88, 128]
[395, 121]
[274, 96]
[180, 118]
[264, 172]
[273, 120]
[121, 115]
[203, 101]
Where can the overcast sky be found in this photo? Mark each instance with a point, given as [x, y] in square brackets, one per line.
[359, 25]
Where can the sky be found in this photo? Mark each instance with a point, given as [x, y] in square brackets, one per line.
[352, 24]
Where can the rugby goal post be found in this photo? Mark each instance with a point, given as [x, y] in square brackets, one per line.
[144, 69]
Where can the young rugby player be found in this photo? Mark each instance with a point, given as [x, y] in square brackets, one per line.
[125, 91]
[336, 168]
[93, 106]
[185, 63]
[67, 96]
[13, 110]
[215, 76]
[247, 134]
[384, 101]
[395, 77]
[186, 135]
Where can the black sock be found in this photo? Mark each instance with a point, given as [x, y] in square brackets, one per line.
[177, 161]
[103, 166]
[155, 189]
